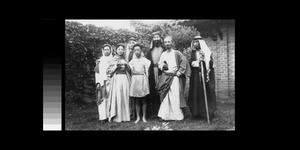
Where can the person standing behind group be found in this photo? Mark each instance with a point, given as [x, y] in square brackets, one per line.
[139, 81]
[102, 81]
[129, 52]
[153, 54]
[119, 71]
[129, 49]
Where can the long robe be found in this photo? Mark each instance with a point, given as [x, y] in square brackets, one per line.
[173, 101]
[153, 101]
[196, 99]
[118, 103]
[102, 92]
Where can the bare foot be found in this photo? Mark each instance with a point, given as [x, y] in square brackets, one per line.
[144, 120]
[137, 120]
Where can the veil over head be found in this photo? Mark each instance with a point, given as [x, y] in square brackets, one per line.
[204, 48]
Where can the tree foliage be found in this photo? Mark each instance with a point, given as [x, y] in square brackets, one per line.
[83, 46]
[182, 35]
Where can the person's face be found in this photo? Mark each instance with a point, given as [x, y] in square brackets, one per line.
[106, 50]
[196, 44]
[131, 43]
[120, 50]
[156, 38]
[168, 42]
[137, 51]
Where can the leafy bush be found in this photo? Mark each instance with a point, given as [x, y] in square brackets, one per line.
[182, 35]
[83, 46]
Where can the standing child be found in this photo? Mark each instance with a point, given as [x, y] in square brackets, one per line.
[102, 81]
[139, 81]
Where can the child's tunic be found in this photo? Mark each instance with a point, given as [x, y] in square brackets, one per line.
[139, 81]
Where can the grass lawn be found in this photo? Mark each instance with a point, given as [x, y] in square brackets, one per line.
[87, 119]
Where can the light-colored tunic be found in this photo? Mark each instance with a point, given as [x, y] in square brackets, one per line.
[139, 80]
[101, 78]
[170, 107]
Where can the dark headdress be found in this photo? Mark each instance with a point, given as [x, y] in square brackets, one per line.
[137, 44]
[131, 39]
[153, 34]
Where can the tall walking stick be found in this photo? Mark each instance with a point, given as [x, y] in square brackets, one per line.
[204, 87]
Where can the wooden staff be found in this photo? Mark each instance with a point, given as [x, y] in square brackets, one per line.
[204, 87]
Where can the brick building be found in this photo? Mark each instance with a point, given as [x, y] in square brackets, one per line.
[219, 36]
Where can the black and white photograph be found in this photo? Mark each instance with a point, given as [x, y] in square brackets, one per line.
[149, 75]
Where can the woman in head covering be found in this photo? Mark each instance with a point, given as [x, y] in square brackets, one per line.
[102, 81]
[119, 72]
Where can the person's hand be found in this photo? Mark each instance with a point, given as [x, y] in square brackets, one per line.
[98, 85]
[127, 65]
[165, 67]
[178, 73]
[123, 62]
[195, 63]
[118, 66]
[201, 56]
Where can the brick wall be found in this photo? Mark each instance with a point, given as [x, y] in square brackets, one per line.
[223, 52]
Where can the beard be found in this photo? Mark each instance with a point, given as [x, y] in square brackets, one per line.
[156, 43]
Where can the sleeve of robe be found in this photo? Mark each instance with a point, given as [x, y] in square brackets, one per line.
[182, 63]
[111, 69]
[131, 64]
[185, 70]
[161, 61]
[97, 79]
[184, 66]
[97, 66]
[147, 66]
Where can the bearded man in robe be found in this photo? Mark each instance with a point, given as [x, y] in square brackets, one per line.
[153, 54]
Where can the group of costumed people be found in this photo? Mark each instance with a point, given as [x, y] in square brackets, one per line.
[134, 79]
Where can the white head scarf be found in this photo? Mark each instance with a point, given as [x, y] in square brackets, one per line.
[204, 49]
[111, 51]
[103, 65]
